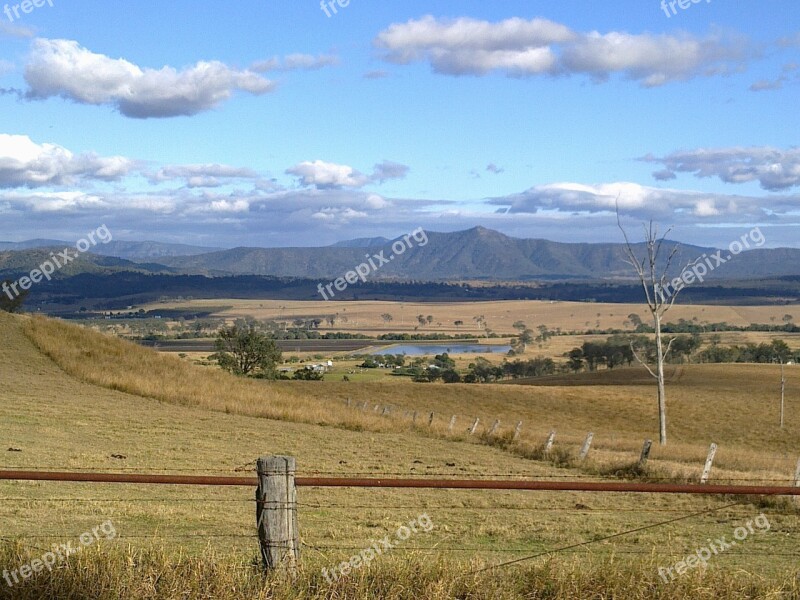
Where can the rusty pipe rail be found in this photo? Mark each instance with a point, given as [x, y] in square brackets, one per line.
[453, 484]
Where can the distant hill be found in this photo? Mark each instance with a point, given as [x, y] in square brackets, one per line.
[28, 244]
[14, 264]
[139, 251]
[363, 243]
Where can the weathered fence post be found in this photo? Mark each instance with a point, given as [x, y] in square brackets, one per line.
[348, 402]
[364, 406]
[548, 445]
[712, 452]
[517, 430]
[414, 418]
[430, 419]
[648, 444]
[587, 444]
[452, 424]
[474, 426]
[494, 427]
[385, 411]
[276, 512]
[797, 481]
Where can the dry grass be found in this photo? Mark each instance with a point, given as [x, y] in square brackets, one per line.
[151, 574]
[119, 365]
[727, 404]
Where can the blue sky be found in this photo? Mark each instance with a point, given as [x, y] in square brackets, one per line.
[270, 123]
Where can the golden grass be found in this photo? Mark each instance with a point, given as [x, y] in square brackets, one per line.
[726, 404]
[119, 365]
[151, 574]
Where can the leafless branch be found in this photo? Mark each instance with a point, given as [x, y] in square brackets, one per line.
[643, 363]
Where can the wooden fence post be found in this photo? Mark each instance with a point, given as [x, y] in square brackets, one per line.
[648, 444]
[348, 402]
[385, 411]
[364, 406]
[712, 452]
[517, 430]
[548, 445]
[783, 393]
[494, 427]
[430, 419]
[276, 512]
[414, 418]
[452, 424]
[474, 426]
[797, 481]
[587, 444]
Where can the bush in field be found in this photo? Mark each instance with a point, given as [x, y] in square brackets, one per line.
[308, 374]
[11, 305]
[242, 350]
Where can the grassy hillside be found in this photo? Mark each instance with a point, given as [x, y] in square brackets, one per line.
[727, 404]
[111, 406]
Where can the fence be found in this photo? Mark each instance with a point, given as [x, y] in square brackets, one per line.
[276, 483]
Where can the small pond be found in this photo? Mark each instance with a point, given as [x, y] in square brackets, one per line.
[431, 349]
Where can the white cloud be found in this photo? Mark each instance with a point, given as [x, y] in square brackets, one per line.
[789, 69]
[523, 48]
[14, 31]
[64, 68]
[234, 206]
[642, 202]
[773, 168]
[24, 163]
[202, 176]
[54, 202]
[325, 175]
[376, 202]
[340, 216]
[387, 170]
[296, 62]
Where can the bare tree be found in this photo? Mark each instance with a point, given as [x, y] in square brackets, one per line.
[654, 277]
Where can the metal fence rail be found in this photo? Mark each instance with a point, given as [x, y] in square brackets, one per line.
[452, 484]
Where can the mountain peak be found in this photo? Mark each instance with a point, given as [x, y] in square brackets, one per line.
[484, 233]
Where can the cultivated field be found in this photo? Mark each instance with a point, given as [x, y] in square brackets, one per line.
[74, 400]
[365, 316]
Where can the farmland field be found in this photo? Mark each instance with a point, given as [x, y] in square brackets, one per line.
[366, 316]
[73, 400]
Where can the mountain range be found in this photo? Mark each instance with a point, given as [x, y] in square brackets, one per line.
[474, 254]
